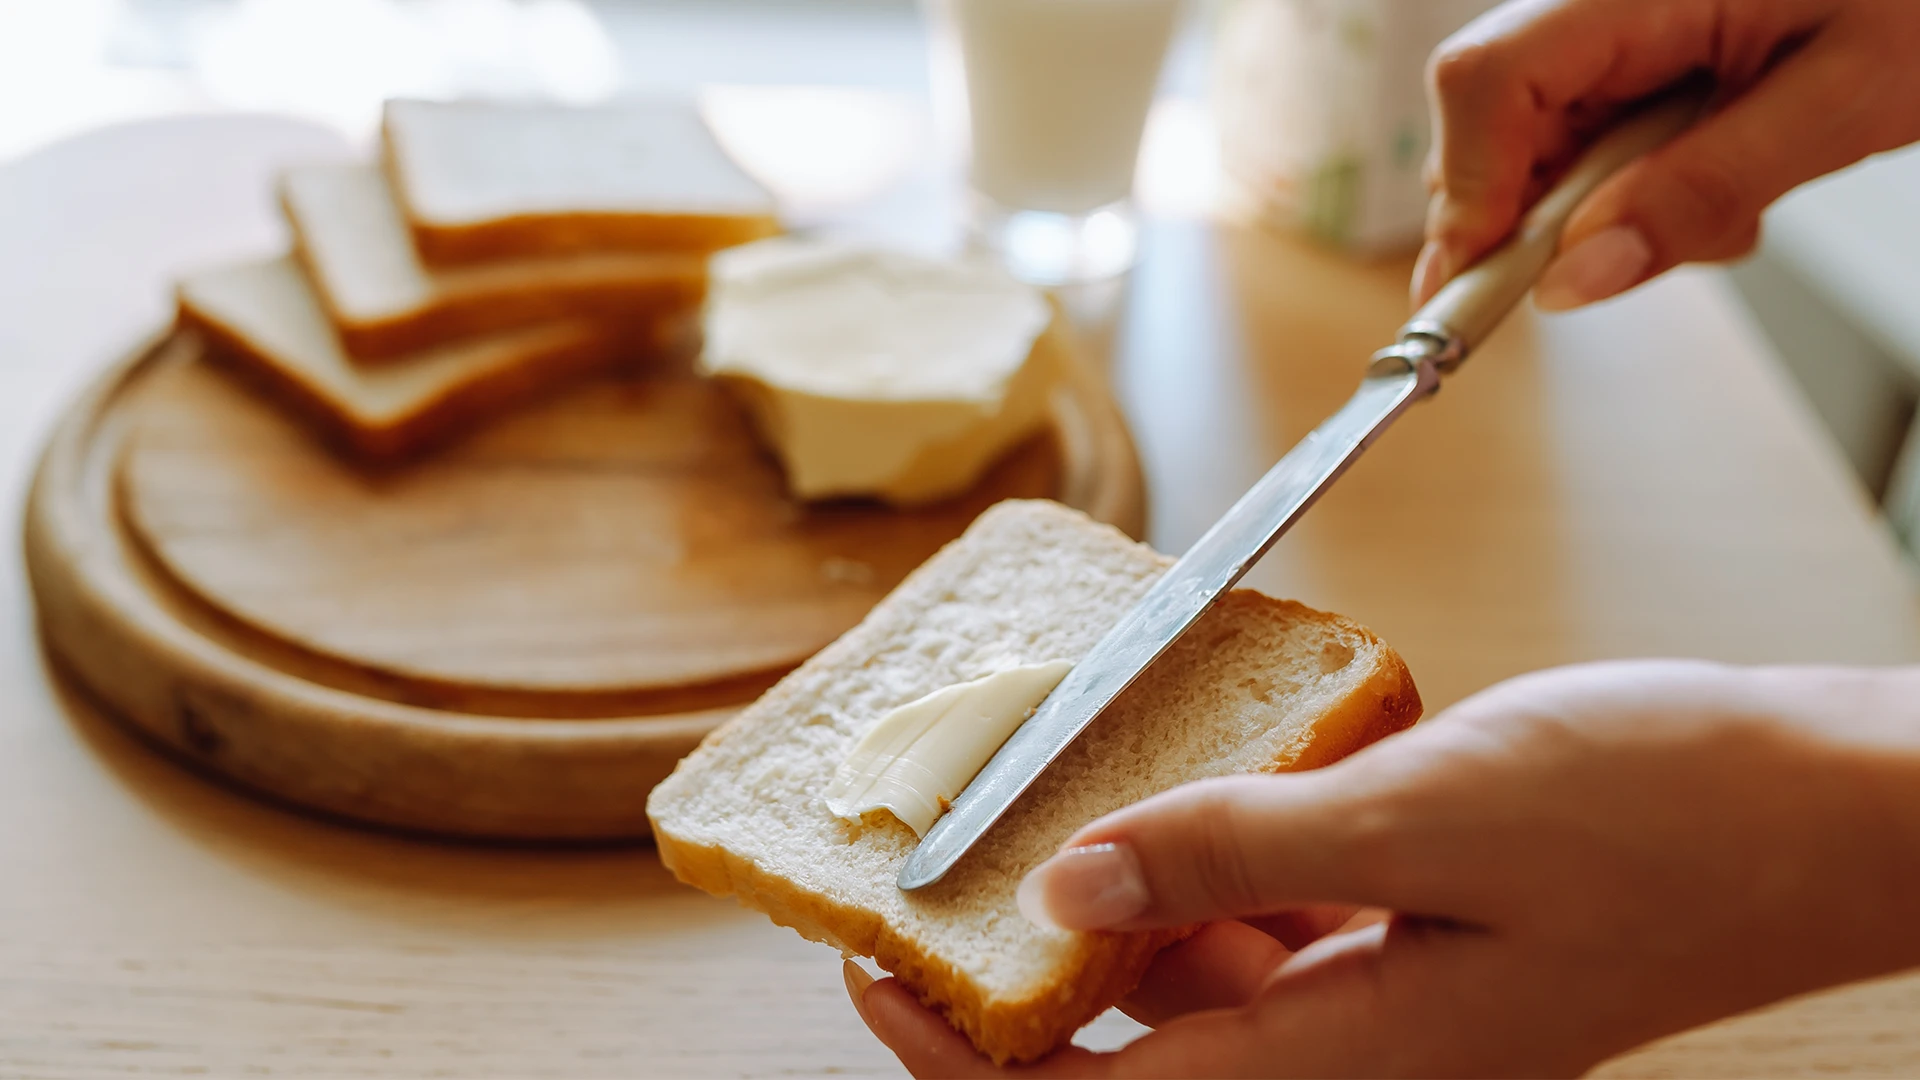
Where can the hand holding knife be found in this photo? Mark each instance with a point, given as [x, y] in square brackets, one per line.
[1431, 345]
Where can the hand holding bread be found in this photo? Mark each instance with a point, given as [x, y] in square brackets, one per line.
[1575, 862]
[1258, 685]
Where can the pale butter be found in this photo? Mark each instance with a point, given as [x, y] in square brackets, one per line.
[924, 753]
[878, 373]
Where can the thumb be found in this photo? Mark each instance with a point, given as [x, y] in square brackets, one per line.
[1700, 198]
[1234, 847]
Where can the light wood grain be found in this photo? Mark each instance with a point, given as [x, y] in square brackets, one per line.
[631, 535]
[516, 638]
[1634, 479]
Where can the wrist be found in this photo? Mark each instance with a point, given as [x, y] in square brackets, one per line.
[1887, 767]
[1860, 728]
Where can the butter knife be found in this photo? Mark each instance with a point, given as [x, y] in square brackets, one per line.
[1430, 346]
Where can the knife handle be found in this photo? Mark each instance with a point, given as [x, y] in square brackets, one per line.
[1467, 308]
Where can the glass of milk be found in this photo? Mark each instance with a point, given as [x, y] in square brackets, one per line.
[1056, 95]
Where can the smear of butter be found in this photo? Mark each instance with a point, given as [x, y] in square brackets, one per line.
[922, 754]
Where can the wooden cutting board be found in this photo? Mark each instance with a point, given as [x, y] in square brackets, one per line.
[514, 638]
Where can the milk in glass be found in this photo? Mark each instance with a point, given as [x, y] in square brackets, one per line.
[1057, 93]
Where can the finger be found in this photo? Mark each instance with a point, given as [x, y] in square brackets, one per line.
[1245, 846]
[1734, 247]
[1379, 1001]
[1510, 95]
[1700, 198]
[1514, 90]
[1484, 119]
[1298, 929]
[928, 1046]
[1400, 998]
[1223, 966]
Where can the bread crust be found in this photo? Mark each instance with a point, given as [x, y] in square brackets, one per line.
[441, 241]
[628, 311]
[630, 308]
[1021, 1029]
[465, 243]
[436, 422]
[633, 301]
[1107, 966]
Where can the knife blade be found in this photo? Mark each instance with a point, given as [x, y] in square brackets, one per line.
[1430, 346]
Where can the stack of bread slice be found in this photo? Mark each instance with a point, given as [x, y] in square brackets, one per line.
[493, 251]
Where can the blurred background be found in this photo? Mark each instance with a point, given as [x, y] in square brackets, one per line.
[831, 103]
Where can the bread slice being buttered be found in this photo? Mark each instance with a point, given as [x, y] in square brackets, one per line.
[386, 303]
[1258, 685]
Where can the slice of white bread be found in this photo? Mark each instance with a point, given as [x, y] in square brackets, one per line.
[489, 180]
[385, 302]
[262, 321]
[1258, 685]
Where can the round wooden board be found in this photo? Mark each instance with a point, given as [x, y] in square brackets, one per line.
[514, 638]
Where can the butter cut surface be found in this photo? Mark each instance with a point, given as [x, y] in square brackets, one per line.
[878, 373]
[1258, 685]
[262, 318]
[384, 301]
[914, 761]
[479, 180]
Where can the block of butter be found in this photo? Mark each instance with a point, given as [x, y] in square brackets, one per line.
[875, 373]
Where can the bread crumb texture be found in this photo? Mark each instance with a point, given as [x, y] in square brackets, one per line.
[1259, 685]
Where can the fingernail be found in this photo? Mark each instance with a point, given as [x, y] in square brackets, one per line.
[857, 982]
[1085, 888]
[1609, 262]
[1430, 272]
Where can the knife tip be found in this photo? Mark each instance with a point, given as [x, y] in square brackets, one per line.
[918, 873]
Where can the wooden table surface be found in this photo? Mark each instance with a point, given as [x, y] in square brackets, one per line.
[1632, 480]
